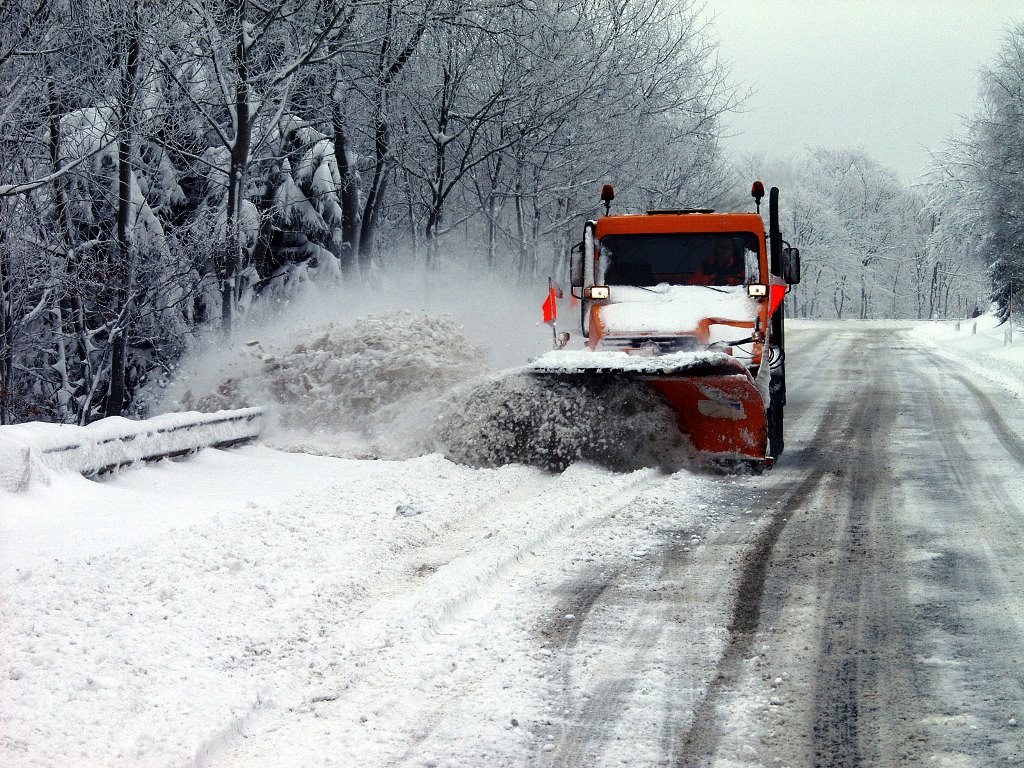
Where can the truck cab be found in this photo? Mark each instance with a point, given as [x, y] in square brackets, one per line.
[669, 281]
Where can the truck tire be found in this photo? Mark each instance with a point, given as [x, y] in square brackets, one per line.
[776, 407]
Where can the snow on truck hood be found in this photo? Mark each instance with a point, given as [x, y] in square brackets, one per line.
[667, 309]
[584, 361]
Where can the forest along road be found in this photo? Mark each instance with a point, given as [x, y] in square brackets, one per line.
[861, 604]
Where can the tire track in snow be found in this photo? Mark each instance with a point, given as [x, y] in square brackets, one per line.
[880, 698]
[1010, 440]
[626, 497]
[847, 539]
[806, 375]
[488, 569]
[415, 625]
[838, 605]
[599, 708]
[968, 574]
[866, 630]
[702, 736]
[816, 420]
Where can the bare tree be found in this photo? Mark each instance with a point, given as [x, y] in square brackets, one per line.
[163, 165]
[859, 228]
[250, 58]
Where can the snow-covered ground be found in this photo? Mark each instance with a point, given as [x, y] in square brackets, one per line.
[982, 346]
[154, 617]
[148, 617]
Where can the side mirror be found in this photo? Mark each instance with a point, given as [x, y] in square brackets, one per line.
[576, 265]
[791, 265]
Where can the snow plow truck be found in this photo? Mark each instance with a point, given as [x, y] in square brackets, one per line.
[690, 301]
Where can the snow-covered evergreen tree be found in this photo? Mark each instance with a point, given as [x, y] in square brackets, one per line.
[980, 198]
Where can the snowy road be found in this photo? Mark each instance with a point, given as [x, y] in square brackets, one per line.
[889, 628]
[860, 605]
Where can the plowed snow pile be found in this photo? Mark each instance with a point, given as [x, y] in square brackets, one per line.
[376, 381]
[400, 385]
[553, 422]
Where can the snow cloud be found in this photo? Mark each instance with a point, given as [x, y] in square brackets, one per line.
[408, 380]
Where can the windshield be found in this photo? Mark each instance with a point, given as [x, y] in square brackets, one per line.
[680, 259]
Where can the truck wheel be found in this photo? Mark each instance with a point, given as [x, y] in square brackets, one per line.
[776, 439]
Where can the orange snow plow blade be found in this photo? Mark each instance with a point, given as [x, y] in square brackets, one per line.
[722, 415]
[715, 399]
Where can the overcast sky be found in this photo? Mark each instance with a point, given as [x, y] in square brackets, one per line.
[893, 76]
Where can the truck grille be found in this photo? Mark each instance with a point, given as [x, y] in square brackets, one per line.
[660, 344]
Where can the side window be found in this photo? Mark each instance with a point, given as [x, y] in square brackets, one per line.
[604, 260]
[752, 266]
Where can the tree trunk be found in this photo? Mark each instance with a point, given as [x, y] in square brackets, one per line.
[839, 299]
[492, 230]
[349, 193]
[126, 254]
[433, 242]
[67, 304]
[520, 230]
[492, 214]
[933, 293]
[437, 186]
[375, 196]
[232, 262]
[6, 329]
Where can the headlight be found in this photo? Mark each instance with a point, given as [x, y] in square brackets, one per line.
[597, 292]
[757, 289]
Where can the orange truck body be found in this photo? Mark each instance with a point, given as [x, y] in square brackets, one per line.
[693, 297]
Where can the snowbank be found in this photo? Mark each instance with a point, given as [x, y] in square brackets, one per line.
[372, 388]
[982, 346]
[496, 314]
[37, 449]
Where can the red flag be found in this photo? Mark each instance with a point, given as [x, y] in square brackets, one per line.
[550, 307]
[778, 293]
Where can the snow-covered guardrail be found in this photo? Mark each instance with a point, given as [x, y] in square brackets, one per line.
[114, 442]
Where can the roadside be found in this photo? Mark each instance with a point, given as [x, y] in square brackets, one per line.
[981, 347]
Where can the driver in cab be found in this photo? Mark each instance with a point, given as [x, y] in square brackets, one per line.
[722, 267]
